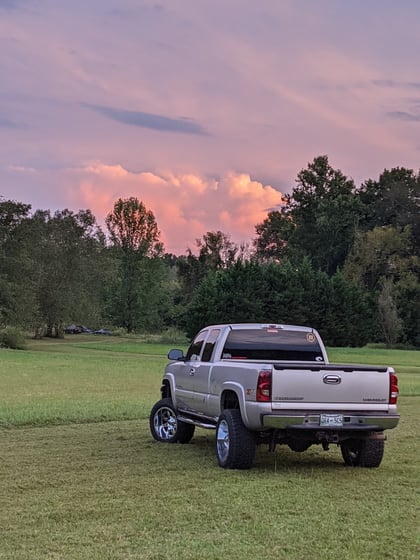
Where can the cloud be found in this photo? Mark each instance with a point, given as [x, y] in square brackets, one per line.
[7, 123]
[9, 5]
[403, 116]
[22, 169]
[186, 206]
[396, 84]
[148, 120]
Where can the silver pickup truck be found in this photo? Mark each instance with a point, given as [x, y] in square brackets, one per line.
[273, 384]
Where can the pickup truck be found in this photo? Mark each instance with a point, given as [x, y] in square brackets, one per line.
[273, 384]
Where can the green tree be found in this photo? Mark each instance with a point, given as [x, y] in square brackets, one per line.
[53, 266]
[393, 200]
[406, 296]
[216, 251]
[319, 219]
[273, 235]
[67, 268]
[283, 293]
[137, 292]
[12, 214]
[378, 254]
[388, 314]
[384, 257]
[325, 212]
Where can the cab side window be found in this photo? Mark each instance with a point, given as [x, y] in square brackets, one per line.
[195, 348]
[209, 346]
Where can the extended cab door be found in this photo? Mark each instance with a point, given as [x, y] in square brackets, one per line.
[184, 373]
[202, 373]
[192, 377]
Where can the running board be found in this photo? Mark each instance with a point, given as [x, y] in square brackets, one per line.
[196, 422]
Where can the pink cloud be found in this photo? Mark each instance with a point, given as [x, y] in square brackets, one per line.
[185, 206]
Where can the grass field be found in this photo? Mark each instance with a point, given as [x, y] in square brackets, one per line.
[81, 477]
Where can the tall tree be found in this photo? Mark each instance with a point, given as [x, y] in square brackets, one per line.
[133, 228]
[283, 293]
[383, 262]
[383, 253]
[388, 314]
[319, 219]
[135, 239]
[216, 251]
[325, 212]
[393, 200]
[12, 214]
[52, 263]
[68, 279]
[273, 234]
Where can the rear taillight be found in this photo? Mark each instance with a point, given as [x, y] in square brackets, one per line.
[393, 388]
[264, 386]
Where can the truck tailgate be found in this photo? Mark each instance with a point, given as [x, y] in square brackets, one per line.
[329, 384]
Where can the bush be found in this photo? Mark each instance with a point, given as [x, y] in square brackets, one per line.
[172, 335]
[11, 337]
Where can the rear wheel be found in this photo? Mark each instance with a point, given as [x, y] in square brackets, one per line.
[363, 452]
[165, 426]
[235, 444]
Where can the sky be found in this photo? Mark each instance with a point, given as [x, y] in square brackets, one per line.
[205, 110]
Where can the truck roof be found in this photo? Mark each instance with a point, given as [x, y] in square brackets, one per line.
[244, 326]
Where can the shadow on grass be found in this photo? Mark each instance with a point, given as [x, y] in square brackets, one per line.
[200, 453]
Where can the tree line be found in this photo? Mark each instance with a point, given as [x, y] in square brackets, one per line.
[341, 258]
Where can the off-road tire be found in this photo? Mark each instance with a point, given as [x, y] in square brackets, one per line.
[235, 444]
[363, 452]
[164, 425]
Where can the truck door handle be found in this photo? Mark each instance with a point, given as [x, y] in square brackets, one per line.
[192, 371]
[332, 379]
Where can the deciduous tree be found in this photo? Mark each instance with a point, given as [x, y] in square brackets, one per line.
[318, 221]
[137, 292]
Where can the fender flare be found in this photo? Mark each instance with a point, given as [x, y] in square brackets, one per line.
[238, 389]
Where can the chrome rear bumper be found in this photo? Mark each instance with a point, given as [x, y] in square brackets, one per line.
[312, 422]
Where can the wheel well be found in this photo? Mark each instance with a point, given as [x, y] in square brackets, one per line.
[229, 399]
[165, 389]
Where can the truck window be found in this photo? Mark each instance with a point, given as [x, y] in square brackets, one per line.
[209, 346]
[195, 347]
[272, 344]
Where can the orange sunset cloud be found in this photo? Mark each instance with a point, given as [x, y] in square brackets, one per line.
[185, 206]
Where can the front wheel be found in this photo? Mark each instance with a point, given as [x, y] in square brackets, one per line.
[363, 452]
[165, 426]
[235, 444]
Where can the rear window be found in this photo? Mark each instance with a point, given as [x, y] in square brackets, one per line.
[272, 344]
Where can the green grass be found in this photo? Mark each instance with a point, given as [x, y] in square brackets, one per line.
[106, 490]
[405, 362]
[79, 380]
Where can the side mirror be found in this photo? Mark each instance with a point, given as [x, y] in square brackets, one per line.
[176, 355]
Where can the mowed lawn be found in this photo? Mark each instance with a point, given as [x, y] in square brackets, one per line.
[81, 477]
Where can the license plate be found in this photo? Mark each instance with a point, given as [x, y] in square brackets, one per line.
[332, 420]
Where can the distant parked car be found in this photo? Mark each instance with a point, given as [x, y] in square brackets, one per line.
[77, 329]
[103, 331]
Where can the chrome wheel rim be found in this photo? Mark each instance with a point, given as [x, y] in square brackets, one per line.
[222, 438]
[165, 423]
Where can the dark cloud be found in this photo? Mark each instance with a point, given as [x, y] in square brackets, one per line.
[385, 83]
[396, 84]
[9, 5]
[404, 116]
[7, 123]
[148, 120]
